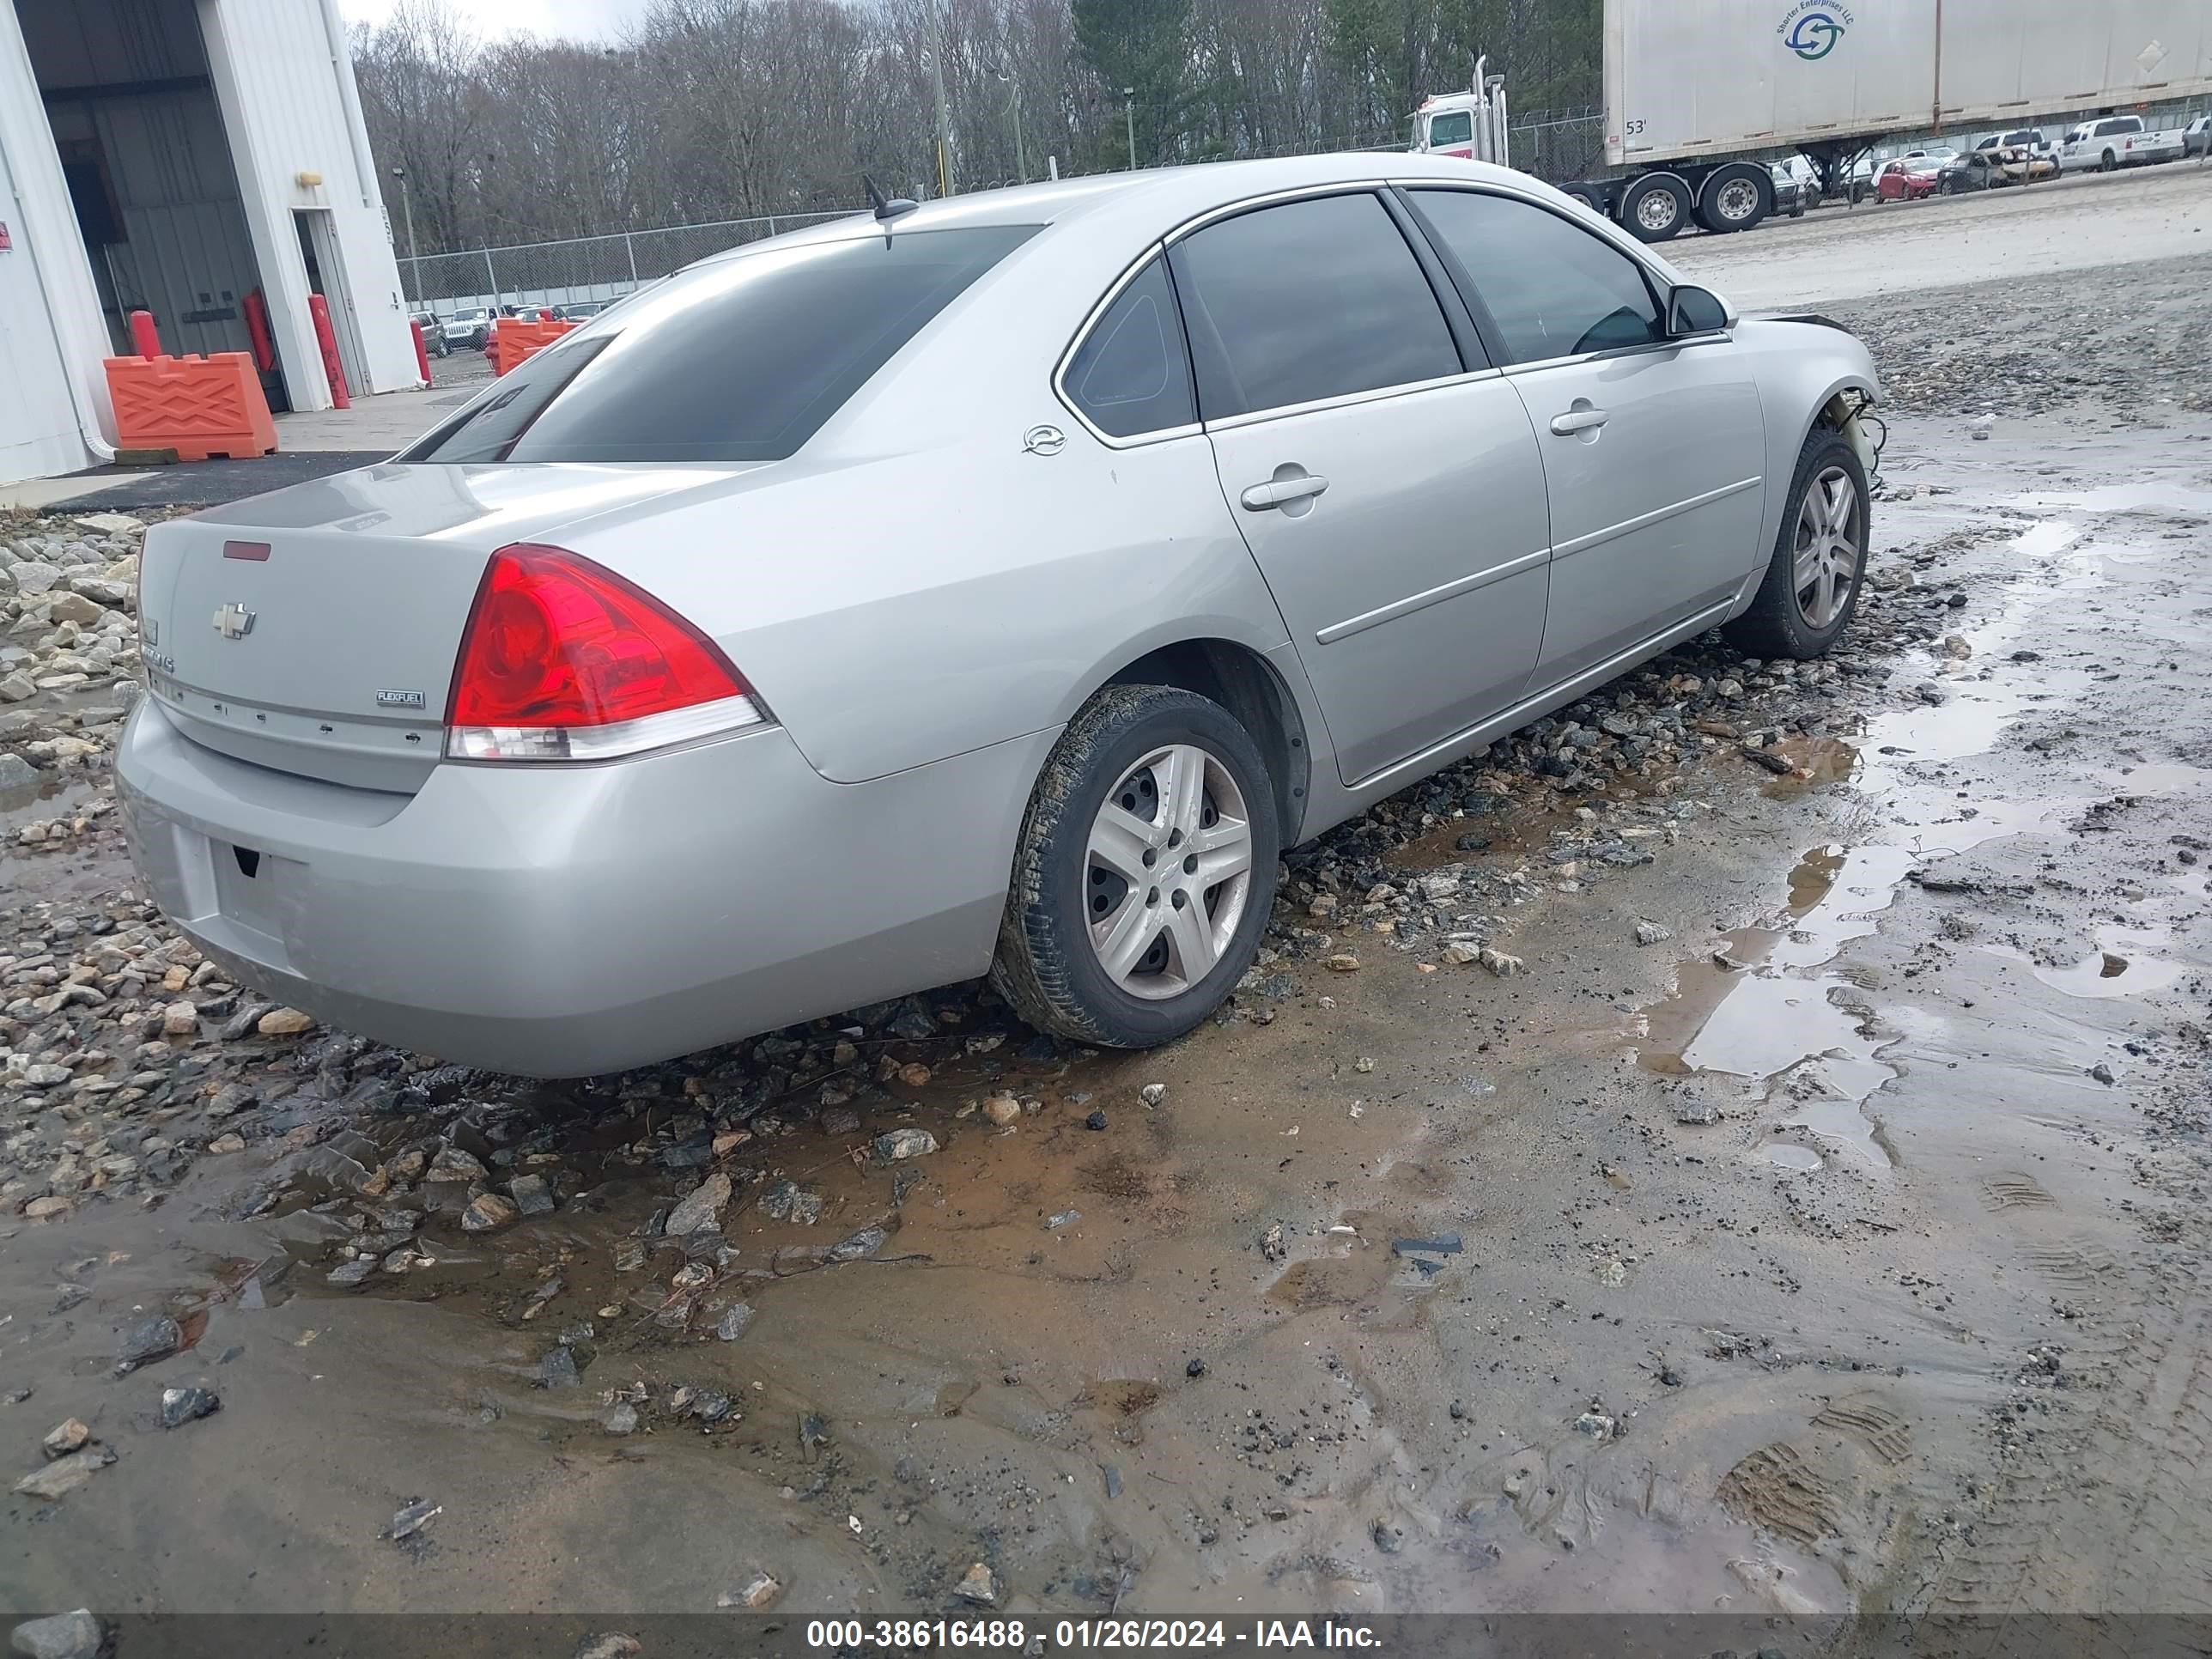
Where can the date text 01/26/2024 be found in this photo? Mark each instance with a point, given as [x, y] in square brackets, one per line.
[1068, 1635]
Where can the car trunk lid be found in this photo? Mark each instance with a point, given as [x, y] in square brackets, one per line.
[314, 630]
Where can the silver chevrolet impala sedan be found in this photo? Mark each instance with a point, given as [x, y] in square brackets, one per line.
[997, 586]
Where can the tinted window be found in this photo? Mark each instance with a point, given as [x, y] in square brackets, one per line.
[736, 359]
[1132, 373]
[1554, 288]
[1310, 299]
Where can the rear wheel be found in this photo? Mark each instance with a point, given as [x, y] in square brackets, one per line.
[1588, 197]
[1655, 206]
[2108, 162]
[1144, 873]
[1735, 198]
[1812, 582]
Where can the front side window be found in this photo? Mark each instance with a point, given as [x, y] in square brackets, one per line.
[1453, 127]
[1310, 299]
[1132, 373]
[738, 359]
[1555, 289]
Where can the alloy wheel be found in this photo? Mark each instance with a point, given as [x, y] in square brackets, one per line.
[1167, 871]
[1826, 561]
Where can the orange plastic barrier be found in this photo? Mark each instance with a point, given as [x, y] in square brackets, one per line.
[514, 341]
[198, 406]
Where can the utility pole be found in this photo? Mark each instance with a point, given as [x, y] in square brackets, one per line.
[944, 120]
[1129, 112]
[407, 211]
[1014, 106]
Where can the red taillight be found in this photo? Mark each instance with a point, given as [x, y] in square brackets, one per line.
[564, 659]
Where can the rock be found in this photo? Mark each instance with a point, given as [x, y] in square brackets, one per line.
[1153, 1093]
[1595, 1424]
[736, 1320]
[70, 607]
[557, 1369]
[531, 1194]
[1778, 764]
[489, 1212]
[232, 1142]
[2103, 1073]
[34, 577]
[622, 1419]
[67, 1435]
[859, 1246]
[1364, 1063]
[1651, 932]
[452, 1163]
[1196, 1368]
[147, 1340]
[1696, 1111]
[1500, 963]
[284, 1022]
[17, 687]
[1003, 1110]
[1059, 1219]
[1096, 1121]
[609, 1644]
[347, 1274]
[914, 1074]
[52, 1208]
[702, 1208]
[46, 1075]
[63, 1636]
[183, 1406]
[1272, 1245]
[66, 1474]
[1342, 963]
[180, 1020]
[787, 1200]
[413, 1519]
[17, 775]
[837, 1120]
[759, 1592]
[1322, 906]
[1956, 646]
[1459, 952]
[978, 1586]
[903, 1144]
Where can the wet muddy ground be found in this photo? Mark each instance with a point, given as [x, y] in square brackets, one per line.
[1843, 1249]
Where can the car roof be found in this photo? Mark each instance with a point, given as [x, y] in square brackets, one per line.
[1170, 194]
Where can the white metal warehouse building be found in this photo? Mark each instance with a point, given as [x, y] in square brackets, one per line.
[175, 156]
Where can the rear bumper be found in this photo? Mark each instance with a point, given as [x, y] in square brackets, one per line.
[568, 921]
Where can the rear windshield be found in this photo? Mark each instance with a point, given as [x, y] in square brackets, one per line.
[737, 359]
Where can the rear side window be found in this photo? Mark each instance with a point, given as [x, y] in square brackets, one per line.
[1132, 373]
[737, 359]
[1555, 289]
[1311, 300]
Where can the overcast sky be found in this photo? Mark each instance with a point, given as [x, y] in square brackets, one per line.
[576, 18]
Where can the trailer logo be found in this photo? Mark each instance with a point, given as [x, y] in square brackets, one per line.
[1811, 29]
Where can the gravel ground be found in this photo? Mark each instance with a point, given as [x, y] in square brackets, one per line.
[1739, 1142]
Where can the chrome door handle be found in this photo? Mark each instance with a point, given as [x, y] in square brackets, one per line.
[1579, 420]
[1278, 491]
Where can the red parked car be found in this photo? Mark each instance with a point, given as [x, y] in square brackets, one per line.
[1908, 180]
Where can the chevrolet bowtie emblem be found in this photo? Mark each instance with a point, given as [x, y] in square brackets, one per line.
[234, 622]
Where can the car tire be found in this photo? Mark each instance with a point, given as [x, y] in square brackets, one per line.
[1945, 187]
[1656, 207]
[1781, 623]
[1066, 960]
[2108, 162]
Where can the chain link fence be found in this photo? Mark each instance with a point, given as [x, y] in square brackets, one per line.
[582, 269]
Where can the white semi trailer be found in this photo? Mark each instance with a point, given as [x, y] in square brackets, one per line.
[1700, 95]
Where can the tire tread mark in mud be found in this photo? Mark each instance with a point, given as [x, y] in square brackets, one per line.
[2115, 1521]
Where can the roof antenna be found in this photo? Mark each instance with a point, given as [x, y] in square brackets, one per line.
[887, 207]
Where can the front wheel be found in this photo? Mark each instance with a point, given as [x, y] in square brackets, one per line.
[1144, 873]
[1812, 582]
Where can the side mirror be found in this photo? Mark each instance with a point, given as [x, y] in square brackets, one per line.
[1693, 311]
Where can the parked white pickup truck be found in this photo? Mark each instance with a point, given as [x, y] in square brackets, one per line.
[2112, 142]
